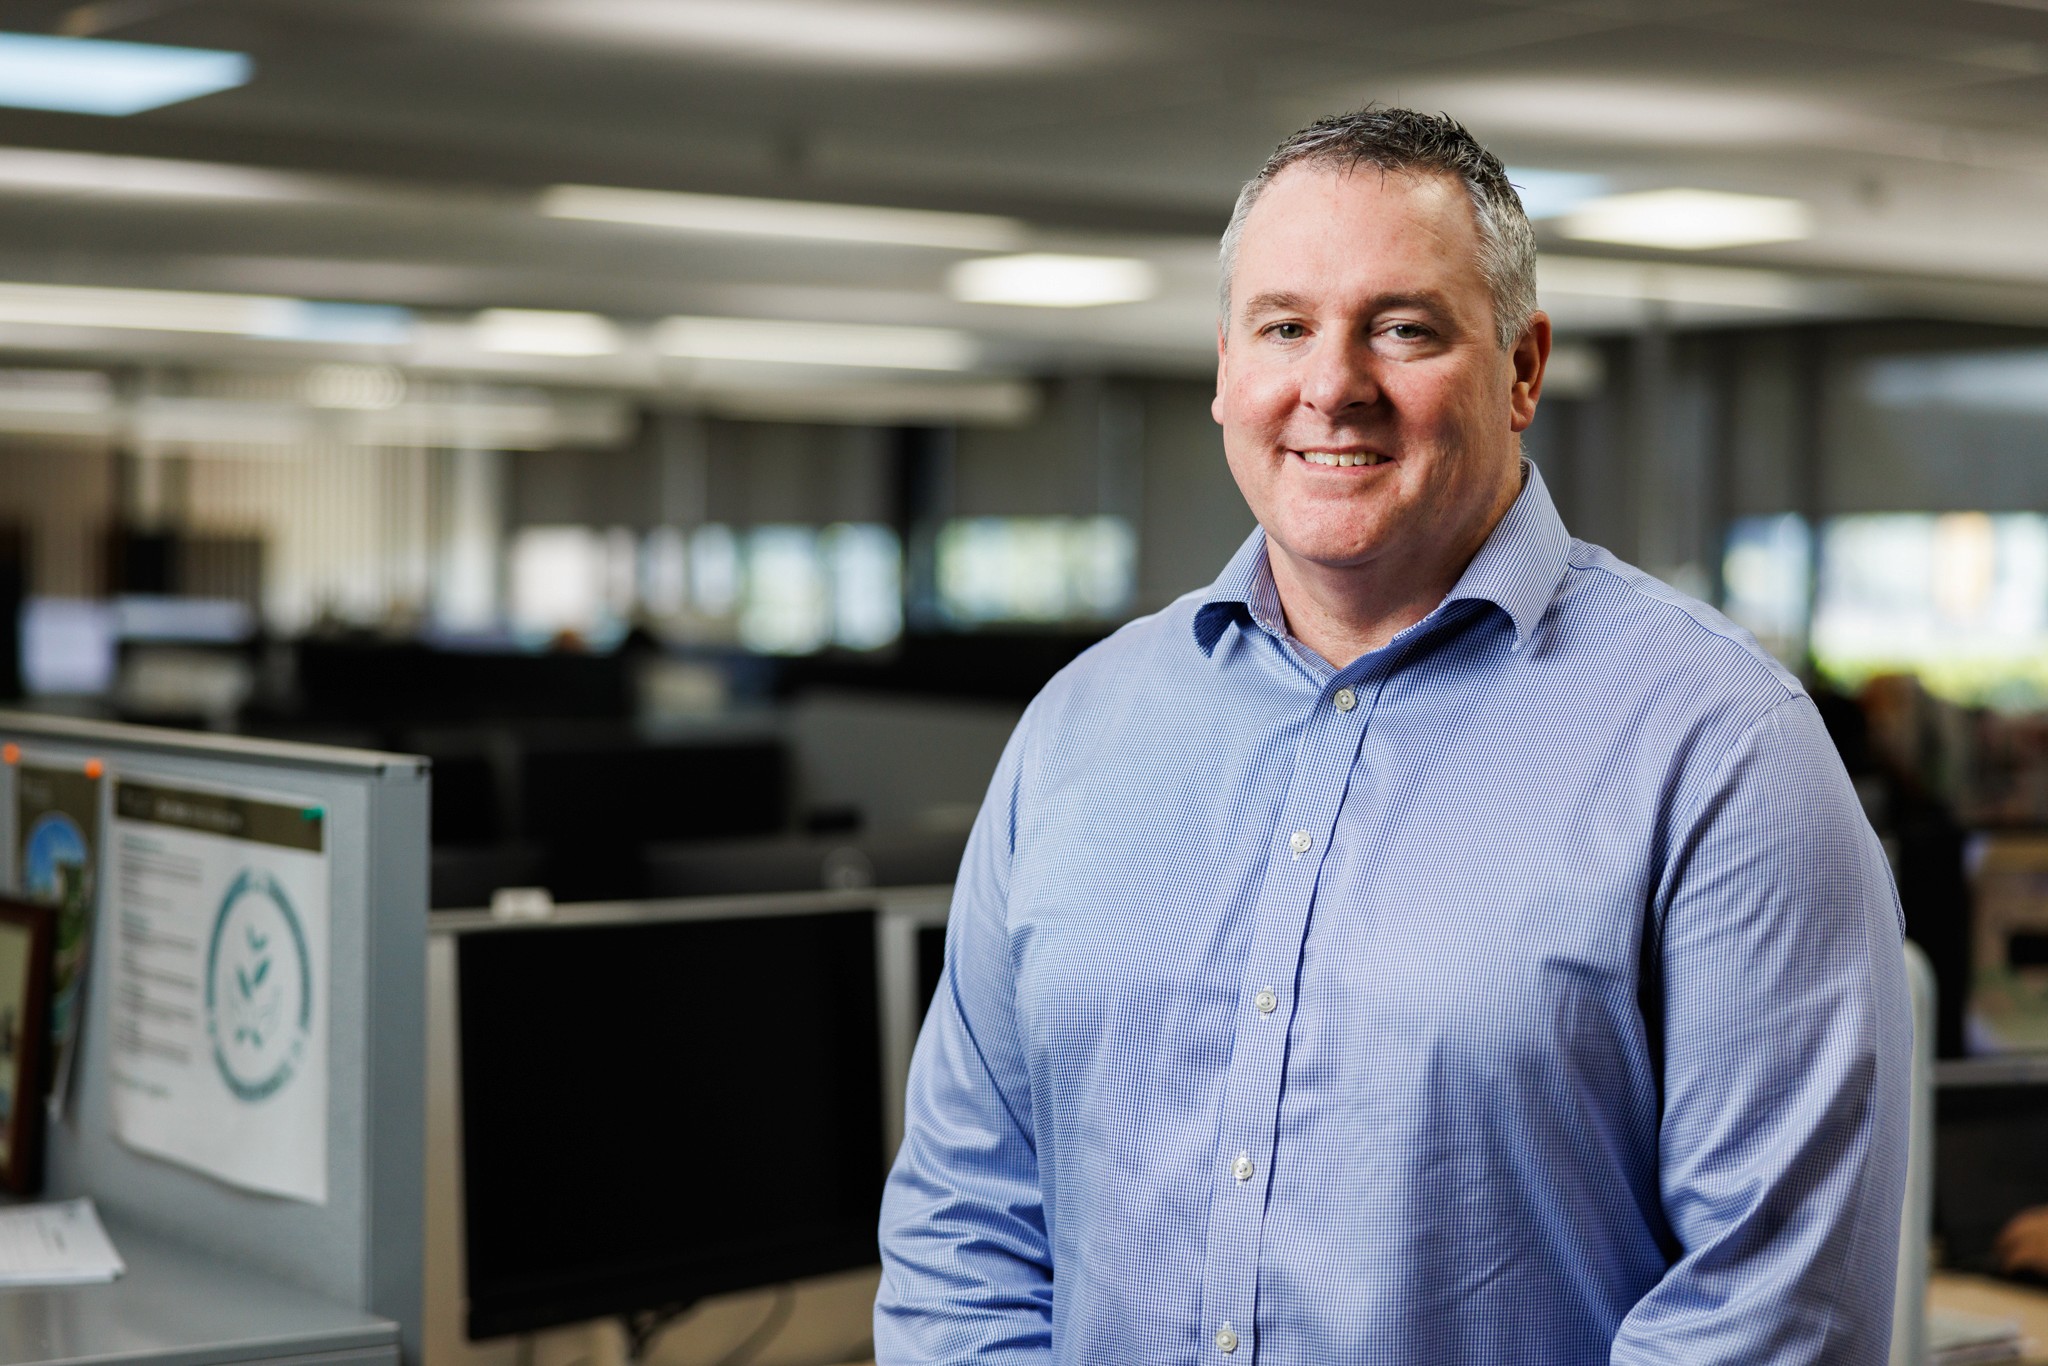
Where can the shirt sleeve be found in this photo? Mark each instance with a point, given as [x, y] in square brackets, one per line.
[966, 1264]
[1779, 993]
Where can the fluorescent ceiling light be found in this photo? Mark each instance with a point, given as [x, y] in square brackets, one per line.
[1689, 220]
[168, 310]
[545, 332]
[1005, 403]
[1546, 194]
[1045, 280]
[31, 168]
[741, 217]
[349, 324]
[793, 343]
[843, 33]
[93, 76]
[1719, 287]
[1590, 109]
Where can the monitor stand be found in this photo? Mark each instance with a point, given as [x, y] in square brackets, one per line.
[643, 1326]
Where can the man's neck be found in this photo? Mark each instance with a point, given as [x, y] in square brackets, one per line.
[1345, 612]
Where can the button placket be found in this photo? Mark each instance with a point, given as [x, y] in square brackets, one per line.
[1325, 757]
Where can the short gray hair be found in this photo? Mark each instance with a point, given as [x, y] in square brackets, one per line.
[1406, 142]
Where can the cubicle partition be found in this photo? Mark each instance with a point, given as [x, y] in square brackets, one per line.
[272, 1241]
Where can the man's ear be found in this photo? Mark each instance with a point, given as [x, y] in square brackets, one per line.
[1531, 353]
[1216, 403]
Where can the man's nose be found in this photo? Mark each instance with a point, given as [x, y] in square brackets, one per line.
[1342, 375]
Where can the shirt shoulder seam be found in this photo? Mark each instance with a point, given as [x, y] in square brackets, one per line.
[1786, 686]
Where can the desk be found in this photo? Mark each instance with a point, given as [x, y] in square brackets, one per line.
[176, 1307]
[1995, 1299]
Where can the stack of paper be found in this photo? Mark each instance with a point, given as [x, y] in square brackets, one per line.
[58, 1244]
[1958, 1339]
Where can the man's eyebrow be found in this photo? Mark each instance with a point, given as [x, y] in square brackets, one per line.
[1275, 301]
[1286, 301]
[1425, 299]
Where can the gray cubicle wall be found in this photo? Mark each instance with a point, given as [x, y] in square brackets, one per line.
[363, 1247]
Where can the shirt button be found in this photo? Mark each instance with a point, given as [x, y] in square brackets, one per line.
[1242, 1168]
[1265, 1000]
[1300, 841]
[1345, 699]
[1226, 1339]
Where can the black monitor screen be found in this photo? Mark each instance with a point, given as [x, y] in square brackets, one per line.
[656, 1112]
[1990, 1162]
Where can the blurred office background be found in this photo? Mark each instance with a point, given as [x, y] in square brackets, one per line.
[700, 425]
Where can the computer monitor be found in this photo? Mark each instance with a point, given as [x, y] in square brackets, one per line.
[658, 1110]
[1991, 1155]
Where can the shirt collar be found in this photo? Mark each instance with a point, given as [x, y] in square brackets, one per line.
[1517, 570]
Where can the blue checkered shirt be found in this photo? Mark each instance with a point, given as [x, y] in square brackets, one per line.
[1528, 990]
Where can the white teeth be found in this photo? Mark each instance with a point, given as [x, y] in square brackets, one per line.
[1340, 460]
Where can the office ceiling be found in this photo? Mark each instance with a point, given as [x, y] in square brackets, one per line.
[402, 146]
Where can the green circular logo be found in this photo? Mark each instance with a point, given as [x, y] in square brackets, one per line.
[259, 988]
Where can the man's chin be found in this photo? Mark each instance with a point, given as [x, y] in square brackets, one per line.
[1329, 555]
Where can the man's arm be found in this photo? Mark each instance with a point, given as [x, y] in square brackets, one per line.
[966, 1266]
[1786, 1041]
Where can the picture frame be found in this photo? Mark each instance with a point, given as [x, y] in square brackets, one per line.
[26, 932]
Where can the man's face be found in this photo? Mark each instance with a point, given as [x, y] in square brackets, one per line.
[1362, 331]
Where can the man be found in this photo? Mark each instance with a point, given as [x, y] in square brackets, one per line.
[1436, 941]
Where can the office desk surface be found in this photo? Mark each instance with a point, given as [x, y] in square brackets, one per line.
[1995, 1299]
[176, 1307]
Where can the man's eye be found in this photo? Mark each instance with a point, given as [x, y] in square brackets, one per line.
[1287, 331]
[1407, 331]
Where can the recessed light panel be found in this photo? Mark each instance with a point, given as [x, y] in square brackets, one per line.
[1048, 280]
[737, 216]
[799, 343]
[1597, 110]
[545, 332]
[93, 76]
[172, 310]
[1689, 220]
[898, 34]
[37, 169]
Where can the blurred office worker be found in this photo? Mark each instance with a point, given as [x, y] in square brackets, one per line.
[1436, 941]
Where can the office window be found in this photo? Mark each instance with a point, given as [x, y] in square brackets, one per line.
[786, 607]
[558, 578]
[2013, 381]
[714, 570]
[621, 580]
[1766, 573]
[1961, 599]
[1036, 569]
[865, 562]
[665, 572]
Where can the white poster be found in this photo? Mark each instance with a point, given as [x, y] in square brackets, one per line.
[217, 903]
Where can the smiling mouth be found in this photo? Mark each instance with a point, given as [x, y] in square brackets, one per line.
[1342, 459]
